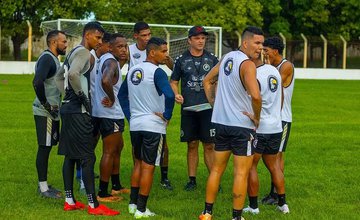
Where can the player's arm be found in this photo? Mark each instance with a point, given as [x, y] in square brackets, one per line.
[163, 87]
[110, 71]
[248, 74]
[286, 72]
[80, 58]
[123, 97]
[46, 68]
[210, 83]
[174, 82]
[59, 79]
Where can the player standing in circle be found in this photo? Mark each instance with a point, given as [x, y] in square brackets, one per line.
[273, 50]
[236, 115]
[191, 68]
[137, 54]
[147, 101]
[76, 140]
[46, 107]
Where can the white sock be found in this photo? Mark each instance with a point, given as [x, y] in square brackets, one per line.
[70, 201]
[43, 186]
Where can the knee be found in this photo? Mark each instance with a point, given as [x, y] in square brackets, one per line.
[193, 145]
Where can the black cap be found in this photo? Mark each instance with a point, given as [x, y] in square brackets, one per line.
[196, 30]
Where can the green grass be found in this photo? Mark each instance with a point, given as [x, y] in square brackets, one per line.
[322, 165]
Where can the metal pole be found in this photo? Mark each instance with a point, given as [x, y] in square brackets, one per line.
[0, 41]
[284, 42]
[216, 44]
[29, 40]
[239, 38]
[305, 49]
[220, 42]
[325, 50]
[167, 38]
[344, 51]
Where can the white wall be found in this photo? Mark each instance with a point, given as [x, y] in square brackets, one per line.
[23, 67]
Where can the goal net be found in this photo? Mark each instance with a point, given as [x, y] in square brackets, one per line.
[175, 35]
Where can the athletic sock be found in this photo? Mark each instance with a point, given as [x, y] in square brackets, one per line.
[237, 214]
[192, 179]
[103, 188]
[115, 181]
[141, 203]
[164, 173]
[208, 208]
[43, 186]
[282, 200]
[69, 197]
[253, 200]
[134, 194]
[93, 202]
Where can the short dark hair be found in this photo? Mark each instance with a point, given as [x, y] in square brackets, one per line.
[107, 37]
[139, 26]
[93, 26]
[275, 43]
[53, 34]
[154, 43]
[114, 36]
[251, 31]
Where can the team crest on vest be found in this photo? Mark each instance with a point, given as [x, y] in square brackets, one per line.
[228, 67]
[273, 83]
[137, 76]
[136, 55]
[206, 67]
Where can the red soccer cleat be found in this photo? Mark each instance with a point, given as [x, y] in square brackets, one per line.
[76, 206]
[102, 210]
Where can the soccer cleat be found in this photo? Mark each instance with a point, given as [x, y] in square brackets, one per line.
[251, 210]
[51, 194]
[123, 190]
[146, 214]
[132, 208]
[284, 209]
[270, 200]
[205, 216]
[109, 198]
[166, 184]
[102, 210]
[76, 206]
[190, 186]
[242, 218]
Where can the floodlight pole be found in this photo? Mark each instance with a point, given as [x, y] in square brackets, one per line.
[325, 50]
[284, 42]
[305, 49]
[344, 51]
[29, 40]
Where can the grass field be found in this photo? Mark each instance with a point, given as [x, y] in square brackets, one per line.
[322, 164]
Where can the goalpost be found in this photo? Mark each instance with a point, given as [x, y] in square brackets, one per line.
[175, 35]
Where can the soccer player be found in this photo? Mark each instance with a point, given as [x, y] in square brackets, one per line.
[147, 101]
[46, 107]
[137, 54]
[109, 116]
[268, 136]
[273, 49]
[236, 115]
[76, 141]
[191, 68]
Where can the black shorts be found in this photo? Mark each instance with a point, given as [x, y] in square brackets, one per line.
[285, 135]
[197, 126]
[76, 140]
[267, 143]
[47, 130]
[108, 126]
[238, 140]
[148, 146]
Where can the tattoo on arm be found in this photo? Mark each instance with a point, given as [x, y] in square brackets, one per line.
[237, 196]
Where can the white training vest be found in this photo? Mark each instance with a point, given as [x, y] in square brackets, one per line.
[231, 97]
[92, 75]
[136, 56]
[98, 110]
[270, 89]
[144, 99]
[286, 114]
